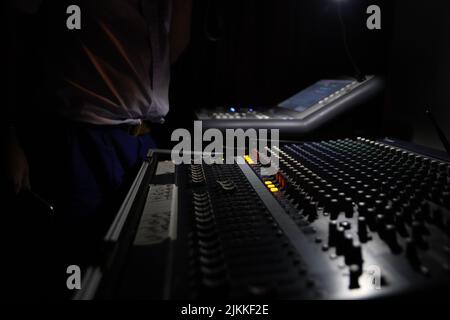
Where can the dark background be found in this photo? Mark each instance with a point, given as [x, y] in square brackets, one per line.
[268, 50]
[419, 71]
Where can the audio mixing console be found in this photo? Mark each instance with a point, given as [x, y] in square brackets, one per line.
[343, 219]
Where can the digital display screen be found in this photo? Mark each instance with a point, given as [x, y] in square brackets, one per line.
[313, 94]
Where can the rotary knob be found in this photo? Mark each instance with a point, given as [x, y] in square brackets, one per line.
[362, 229]
[355, 273]
[333, 208]
[332, 233]
[391, 238]
[340, 241]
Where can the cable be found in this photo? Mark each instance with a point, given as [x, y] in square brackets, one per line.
[359, 75]
[206, 26]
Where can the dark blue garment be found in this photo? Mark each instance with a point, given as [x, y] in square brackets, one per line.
[100, 160]
[84, 171]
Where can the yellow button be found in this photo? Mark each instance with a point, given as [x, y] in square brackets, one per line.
[274, 190]
[270, 186]
[268, 182]
[249, 160]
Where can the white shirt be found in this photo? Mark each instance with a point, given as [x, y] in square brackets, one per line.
[116, 69]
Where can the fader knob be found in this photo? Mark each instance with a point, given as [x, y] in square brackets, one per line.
[391, 237]
[347, 248]
[407, 212]
[362, 209]
[355, 273]
[400, 224]
[389, 214]
[311, 210]
[340, 240]
[334, 209]
[381, 225]
[348, 207]
[362, 229]
[356, 254]
[332, 233]
[371, 218]
[368, 199]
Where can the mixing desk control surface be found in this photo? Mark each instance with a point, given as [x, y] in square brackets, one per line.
[345, 219]
[303, 113]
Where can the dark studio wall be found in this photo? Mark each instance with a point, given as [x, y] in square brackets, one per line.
[420, 71]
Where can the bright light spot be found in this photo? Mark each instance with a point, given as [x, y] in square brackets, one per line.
[249, 160]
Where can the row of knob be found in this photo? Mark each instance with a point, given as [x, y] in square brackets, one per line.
[387, 213]
[197, 175]
[308, 191]
[257, 254]
[399, 205]
[387, 219]
[398, 168]
[210, 254]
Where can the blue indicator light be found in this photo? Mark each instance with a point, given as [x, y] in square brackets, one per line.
[233, 109]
